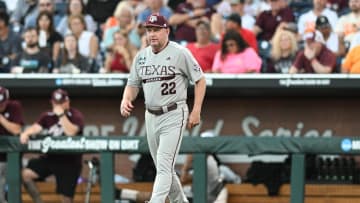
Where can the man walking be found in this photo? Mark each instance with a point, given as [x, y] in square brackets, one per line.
[163, 70]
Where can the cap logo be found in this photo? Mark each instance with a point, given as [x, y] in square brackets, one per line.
[2, 97]
[153, 19]
[57, 96]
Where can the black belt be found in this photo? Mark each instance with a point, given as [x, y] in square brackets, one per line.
[161, 111]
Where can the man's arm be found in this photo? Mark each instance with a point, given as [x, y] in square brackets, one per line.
[199, 94]
[129, 95]
[12, 127]
[70, 129]
[32, 130]
[319, 68]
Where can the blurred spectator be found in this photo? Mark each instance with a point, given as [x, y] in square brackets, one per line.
[234, 22]
[154, 6]
[283, 52]
[203, 49]
[11, 122]
[349, 24]
[307, 20]
[10, 44]
[49, 39]
[137, 5]
[237, 6]
[87, 41]
[121, 54]
[32, 59]
[107, 8]
[351, 63]
[125, 20]
[24, 10]
[315, 58]
[255, 7]
[76, 7]
[236, 56]
[43, 5]
[61, 121]
[337, 5]
[332, 40]
[186, 17]
[268, 21]
[3, 7]
[70, 60]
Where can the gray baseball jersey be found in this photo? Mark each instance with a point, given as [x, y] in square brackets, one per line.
[164, 76]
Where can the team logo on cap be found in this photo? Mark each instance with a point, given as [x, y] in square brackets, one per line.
[153, 19]
[57, 96]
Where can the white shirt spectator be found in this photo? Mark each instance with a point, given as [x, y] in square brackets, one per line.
[348, 26]
[307, 20]
[332, 42]
[355, 40]
[84, 43]
[247, 22]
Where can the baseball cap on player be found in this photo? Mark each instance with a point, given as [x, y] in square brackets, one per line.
[59, 96]
[156, 20]
[4, 95]
[314, 37]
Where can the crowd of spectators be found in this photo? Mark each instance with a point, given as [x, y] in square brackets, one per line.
[225, 36]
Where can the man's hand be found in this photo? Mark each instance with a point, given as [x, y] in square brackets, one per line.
[24, 138]
[126, 107]
[309, 53]
[194, 119]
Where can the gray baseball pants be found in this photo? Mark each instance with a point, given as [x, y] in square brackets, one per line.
[164, 136]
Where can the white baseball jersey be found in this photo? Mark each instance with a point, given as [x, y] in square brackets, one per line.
[164, 76]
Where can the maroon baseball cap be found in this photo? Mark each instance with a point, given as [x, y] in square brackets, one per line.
[59, 96]
[4, 95]
[156, 20]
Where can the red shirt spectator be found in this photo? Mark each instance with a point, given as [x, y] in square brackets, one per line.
[249, 37]
[233, 22]
[204, 55]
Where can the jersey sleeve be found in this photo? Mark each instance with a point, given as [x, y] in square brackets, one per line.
[42, 120]
[17, 113]
[134, 78]
[192, 68]
[77, 119]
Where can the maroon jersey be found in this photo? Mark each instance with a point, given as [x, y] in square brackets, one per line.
[325, 57]
[184, 31]
[268, 22]
[13, 113]
[51, 127]
[50, 122]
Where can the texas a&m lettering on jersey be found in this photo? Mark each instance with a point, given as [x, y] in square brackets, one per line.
[164, 76]
[157, 72]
